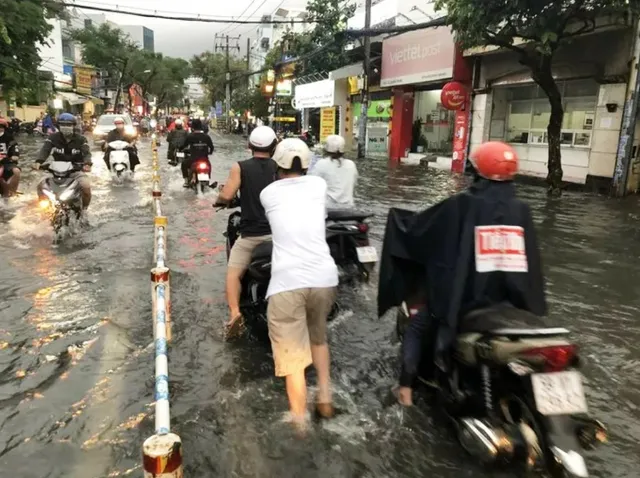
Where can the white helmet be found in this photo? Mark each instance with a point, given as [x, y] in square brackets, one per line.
[334, 144]
[178, 122]
[262, 138]
[289, 149]
[118, 119]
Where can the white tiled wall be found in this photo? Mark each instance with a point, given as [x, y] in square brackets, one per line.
[606, 130]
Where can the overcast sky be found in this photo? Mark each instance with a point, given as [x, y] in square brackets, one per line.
[185, 39]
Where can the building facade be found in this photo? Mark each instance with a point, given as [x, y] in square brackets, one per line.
[140, 35]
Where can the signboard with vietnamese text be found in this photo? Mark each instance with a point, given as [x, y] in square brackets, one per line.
[83, 79]
[284, 87]
[327, 122]
[315, 95]
[418, 56]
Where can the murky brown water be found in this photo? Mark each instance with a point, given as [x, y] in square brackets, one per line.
[76, 370]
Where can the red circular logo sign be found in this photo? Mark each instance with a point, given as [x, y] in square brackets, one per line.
[453, 95]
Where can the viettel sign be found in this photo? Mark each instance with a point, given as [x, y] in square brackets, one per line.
[417, 57]
[453, 95]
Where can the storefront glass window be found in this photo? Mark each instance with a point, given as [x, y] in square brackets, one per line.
[436, 124]
[527, 113]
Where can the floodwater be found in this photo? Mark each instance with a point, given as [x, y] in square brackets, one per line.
[76, 367]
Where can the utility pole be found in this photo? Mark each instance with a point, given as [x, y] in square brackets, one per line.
[248, 60]
[362, 134]
[226, 47]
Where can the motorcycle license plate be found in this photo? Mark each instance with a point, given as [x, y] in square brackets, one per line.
[559, 393]
[367, 254]
[179, 155]
[203, 177]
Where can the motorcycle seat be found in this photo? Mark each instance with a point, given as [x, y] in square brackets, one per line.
[505, 320]
[262, 251]
[347, 215]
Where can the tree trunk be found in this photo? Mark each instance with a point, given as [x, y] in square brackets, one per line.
[543, 76]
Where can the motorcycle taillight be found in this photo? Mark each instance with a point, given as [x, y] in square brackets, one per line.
[202, 166]
[556, 357]
[363, 227]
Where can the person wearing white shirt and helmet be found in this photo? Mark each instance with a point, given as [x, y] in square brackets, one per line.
[339, 173]
[304, 277]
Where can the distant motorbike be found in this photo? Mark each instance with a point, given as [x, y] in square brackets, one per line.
[200, 175]
[119, 160]
[61, 195]
[348, 240]
[513, 392]
[178, 157]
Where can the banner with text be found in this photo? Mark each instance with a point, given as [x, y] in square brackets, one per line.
[327, 122]
[83, 79]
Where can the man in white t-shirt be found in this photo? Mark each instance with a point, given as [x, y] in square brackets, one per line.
[304, 277]
[339, 173]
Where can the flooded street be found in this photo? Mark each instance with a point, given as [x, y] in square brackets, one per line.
[77, 367]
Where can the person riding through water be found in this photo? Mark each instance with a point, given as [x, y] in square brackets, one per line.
[9, 154]
[199, 145]
[304, 277]
[119, 133]
[67, 145]
[176, 138]
[446, 260]
[249, 177]
[339, 173]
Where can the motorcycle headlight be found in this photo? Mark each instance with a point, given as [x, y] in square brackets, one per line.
[153, 123]
[66, 195]
[130, 130]
[44, 204]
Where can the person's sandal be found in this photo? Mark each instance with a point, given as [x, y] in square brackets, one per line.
[235, 329]
[325, 411]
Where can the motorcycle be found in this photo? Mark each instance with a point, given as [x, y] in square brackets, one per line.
[513, 392]
[178, 157]
[200, 175]
[119, 160]
[61, 194]
[347, 237]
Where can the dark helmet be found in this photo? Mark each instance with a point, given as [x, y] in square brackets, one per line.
[196, 124]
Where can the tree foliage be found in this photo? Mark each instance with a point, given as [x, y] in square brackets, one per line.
[23, 27]
[535, 30]
[251, 99]
[212, 68]
[108, 48]
[326, 38]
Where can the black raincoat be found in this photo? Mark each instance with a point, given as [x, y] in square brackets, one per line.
[435, 251]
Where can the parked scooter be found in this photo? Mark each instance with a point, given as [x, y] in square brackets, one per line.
[513, 392]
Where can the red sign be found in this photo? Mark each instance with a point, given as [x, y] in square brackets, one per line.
[460, 134]
[500, 248]
[453, 95]
[418, 56]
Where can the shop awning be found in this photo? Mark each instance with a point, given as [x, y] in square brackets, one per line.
[72, 98]
[96, 101]
[347, 71]
[560, 72]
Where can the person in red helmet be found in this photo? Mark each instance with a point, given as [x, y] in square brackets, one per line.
[472, 251]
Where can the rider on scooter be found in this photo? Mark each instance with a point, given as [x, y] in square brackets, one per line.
[9, 154]
[67, 145]
[339, 173]
[200, 147]
[120, 134]
[249, 177]
[473, 250]
[176, 138]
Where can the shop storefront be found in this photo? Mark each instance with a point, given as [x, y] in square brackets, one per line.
[323, 105]
[417, 65]
[378, 122]
[591, 74]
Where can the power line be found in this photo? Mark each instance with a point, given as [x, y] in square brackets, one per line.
[178, 18]
[240, 16]
[258, 7]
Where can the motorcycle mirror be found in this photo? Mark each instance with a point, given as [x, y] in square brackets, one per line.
[214, 184]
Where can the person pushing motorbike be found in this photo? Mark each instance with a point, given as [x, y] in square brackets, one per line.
[199, 146]
[339, 173]
[9, 154]
[119, 134]
[248, 177]
[68, 145]
[471, 251]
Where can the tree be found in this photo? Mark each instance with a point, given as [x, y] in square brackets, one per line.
[326, 39]
[535, 30]
[212, 69]
[23, 26]
[110, 49]
[250, 99]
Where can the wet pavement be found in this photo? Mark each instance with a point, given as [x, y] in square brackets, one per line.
[76, 367]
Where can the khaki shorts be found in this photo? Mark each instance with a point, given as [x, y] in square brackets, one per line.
[298, 318]
[240, 255]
